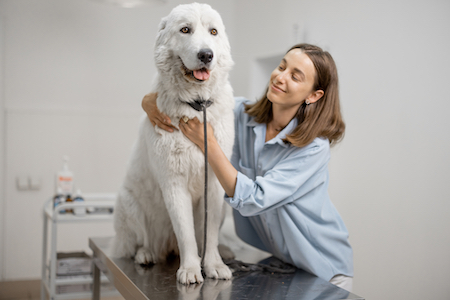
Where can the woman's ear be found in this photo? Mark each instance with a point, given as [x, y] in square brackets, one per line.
[315, 96]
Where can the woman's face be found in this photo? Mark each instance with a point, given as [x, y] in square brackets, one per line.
[292, 82]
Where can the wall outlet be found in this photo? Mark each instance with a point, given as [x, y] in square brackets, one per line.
[28, 183]
[34, 183]
[22, 183]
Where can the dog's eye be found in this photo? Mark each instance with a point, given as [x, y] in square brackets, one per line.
[214, 31]
[185, 30]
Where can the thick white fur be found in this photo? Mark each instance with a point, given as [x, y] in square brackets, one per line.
[160, 206]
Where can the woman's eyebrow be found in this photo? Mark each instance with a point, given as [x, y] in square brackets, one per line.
[300, 72]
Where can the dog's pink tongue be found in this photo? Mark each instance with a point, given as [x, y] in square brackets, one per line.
[201, 74]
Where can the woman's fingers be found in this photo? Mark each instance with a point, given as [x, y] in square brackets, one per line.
[161, 121]
[191, 123]
[191, 128]
[164, 126]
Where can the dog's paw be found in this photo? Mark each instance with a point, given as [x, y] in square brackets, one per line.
[218, 271]
[189, 275]
[144, 257]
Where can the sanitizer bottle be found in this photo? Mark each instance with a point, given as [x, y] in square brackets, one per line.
[64, 178]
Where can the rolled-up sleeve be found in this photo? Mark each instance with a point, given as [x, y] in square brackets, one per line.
[298, 173]
[237, 111]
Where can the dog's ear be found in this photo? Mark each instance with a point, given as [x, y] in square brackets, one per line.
[161, 36]
[162, 24]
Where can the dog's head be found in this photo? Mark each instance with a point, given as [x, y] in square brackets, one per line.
[193, 38]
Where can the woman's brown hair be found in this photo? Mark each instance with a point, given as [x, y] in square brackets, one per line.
[320, 119]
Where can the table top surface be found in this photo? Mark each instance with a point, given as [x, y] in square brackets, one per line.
[134, 281]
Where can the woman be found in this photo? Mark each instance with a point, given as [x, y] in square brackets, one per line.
[277, 179]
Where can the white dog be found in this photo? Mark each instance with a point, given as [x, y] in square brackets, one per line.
[160, 207]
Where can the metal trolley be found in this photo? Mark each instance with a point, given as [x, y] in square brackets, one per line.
[104, 202]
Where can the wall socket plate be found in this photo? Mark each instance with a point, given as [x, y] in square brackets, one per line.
[28, 183]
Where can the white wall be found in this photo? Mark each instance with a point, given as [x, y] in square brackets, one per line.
[75, 72]
[389, 177]
[69, 89]
[2, 150]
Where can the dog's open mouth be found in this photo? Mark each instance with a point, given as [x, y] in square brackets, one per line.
[198, 75]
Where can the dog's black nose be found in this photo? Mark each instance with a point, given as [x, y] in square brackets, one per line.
[205, 55]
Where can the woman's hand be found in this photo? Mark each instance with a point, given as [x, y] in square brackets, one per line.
[155, 116]
[220, 164]
[193, 130]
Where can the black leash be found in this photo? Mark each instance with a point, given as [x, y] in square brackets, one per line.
[270, 265]
[201, 105]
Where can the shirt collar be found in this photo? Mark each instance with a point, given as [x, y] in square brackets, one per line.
[281, 135]
[252, 122]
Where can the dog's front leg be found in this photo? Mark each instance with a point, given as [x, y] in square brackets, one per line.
[179, 205]
[213, 264]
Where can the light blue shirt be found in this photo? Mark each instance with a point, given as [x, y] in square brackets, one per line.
[281, 202]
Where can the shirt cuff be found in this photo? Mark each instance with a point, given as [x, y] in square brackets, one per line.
[242, 191]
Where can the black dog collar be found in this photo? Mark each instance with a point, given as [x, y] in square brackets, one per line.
[199, 104]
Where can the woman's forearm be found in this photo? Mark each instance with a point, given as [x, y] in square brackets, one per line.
[222, 167]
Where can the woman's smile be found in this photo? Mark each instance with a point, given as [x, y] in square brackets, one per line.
[277, 89]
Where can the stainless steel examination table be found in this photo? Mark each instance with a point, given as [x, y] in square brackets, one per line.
[159, 282]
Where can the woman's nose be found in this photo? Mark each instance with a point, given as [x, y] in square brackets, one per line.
[280, 77]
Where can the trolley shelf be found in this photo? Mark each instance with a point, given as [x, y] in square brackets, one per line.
[100, 208]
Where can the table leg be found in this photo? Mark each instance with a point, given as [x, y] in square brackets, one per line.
[44, 259]
[53, 261]
[96, 287]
